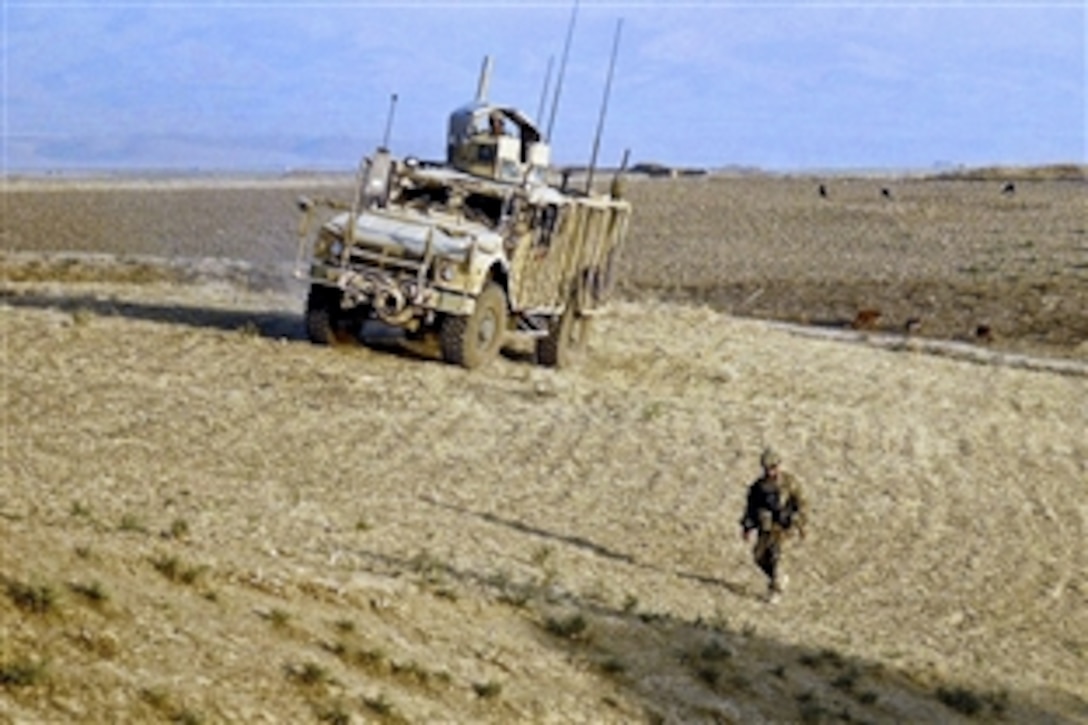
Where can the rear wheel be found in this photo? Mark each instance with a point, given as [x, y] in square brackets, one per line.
[326, 322]
[567, 339]
[475, 340]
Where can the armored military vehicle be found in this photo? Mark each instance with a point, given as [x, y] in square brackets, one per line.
[480, 250]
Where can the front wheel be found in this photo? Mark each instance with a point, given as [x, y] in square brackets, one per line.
[475, 340]
[326, 323]
[567, 339]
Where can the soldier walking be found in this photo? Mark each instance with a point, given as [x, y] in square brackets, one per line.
[775, 508]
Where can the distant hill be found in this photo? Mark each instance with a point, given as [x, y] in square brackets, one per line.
[1049, 172]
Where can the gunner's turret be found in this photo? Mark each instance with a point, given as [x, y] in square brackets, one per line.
[495, 142]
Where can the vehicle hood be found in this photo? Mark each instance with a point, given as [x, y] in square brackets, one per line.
[410, 231]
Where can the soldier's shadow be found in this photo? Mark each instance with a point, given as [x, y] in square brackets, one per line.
[592, 547]
[737, 590]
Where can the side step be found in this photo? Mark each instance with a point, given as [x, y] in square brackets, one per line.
[532, 326]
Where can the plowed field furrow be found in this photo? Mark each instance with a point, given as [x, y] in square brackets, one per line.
[278, 531]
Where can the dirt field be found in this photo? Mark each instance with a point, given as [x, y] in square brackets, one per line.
[948, 256]
[203, 518]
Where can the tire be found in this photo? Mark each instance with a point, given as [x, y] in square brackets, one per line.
[326, 323]
[567, 340]
[475, 340]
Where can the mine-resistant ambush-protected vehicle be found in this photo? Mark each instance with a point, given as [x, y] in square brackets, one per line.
[478, 251]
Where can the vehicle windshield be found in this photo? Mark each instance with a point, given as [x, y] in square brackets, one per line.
[482, 208]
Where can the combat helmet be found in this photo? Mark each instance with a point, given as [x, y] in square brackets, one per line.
[770, 458]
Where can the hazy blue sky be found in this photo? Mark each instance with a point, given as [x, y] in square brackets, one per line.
[780, 85]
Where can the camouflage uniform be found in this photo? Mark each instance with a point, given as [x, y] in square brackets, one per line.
[775, 507]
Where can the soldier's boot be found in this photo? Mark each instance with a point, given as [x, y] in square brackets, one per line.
[776, 587]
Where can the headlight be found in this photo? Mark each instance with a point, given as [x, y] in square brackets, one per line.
[328, 245]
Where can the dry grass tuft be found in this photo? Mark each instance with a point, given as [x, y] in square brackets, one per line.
[22, 672]
[131, 523]
[179, 530]
[487, 690]
[572, 626]
[308, 674]
[162, 702]
[380, 705]
[176, 571]
[334, 713]
[33, 598]
[93, 592]
[280, 618]
[973, 704]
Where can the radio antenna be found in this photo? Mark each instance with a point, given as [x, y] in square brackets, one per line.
[485, 80]
[604, 106]
[544, 91]
[562, 70]
[389, 120]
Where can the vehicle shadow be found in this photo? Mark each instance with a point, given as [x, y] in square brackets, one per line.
[270, 324]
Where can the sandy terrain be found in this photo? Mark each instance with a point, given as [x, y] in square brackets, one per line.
[203, 518]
